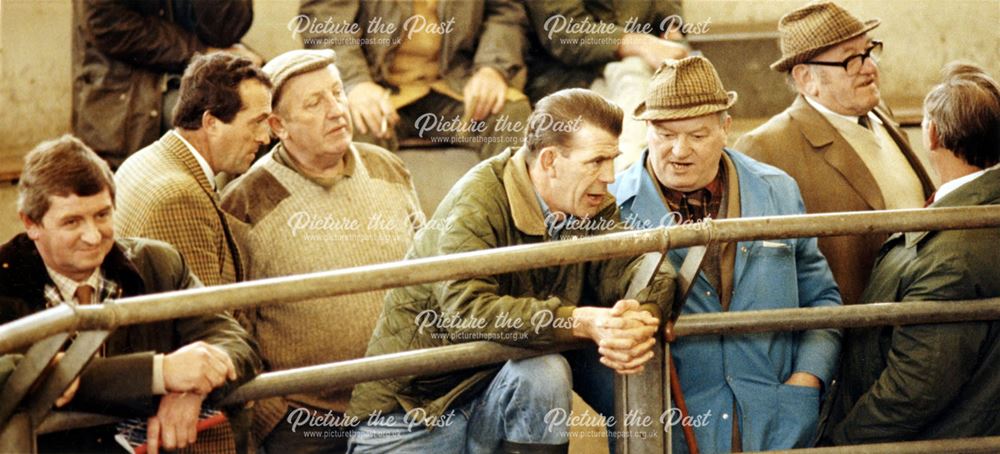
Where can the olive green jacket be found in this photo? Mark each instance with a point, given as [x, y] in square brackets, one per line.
[927, 381]
[563, 56]
[492, 206]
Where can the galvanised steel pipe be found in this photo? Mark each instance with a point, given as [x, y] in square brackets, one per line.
[429, 361]
[853, 316]
[949, 446]
[473, 354]
[208, 300]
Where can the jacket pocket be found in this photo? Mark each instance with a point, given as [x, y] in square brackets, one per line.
[799, 412]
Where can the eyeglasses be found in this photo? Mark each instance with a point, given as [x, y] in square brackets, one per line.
[854, 63]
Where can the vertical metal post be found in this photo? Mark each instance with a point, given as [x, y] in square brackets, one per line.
[639, 400]
[639, 403]
[17, 435]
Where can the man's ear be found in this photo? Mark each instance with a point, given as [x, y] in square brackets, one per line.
[804, 79]
[33, 229]
[277, 127]
[208, 121]
[933, 142]
[547, 158]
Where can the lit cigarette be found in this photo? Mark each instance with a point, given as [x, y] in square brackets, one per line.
[385, 115]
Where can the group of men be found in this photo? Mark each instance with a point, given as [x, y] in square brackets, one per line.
[321, 200]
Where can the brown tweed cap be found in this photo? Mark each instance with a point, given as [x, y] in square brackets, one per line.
[684, 88]
[809, 30]
[294, 62]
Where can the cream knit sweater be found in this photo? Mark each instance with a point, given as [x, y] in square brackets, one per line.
[290, 224]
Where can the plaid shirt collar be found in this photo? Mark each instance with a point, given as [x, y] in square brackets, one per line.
[698, 204]
[65, 288]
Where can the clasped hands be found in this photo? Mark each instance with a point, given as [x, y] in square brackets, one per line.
[624, 334]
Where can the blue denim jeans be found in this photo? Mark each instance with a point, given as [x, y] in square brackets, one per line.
[512, 408]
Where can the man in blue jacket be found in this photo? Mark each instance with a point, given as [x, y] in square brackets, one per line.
[743, 392]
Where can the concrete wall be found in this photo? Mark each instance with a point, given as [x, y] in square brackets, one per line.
[35, 40]
[920, 36]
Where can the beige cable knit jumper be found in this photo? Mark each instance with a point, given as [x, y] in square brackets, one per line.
[291, 224]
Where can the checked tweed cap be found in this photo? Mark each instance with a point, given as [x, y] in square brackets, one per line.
[295, 62]
[685, 88]
[809, 30]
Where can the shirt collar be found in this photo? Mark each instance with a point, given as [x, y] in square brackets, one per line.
[714, 187]
[952, 185]
[553, 224]
[67, 286]
[829, 114]
[209, 173]
[351, 161]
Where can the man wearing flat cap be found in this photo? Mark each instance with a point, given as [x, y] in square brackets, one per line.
[318, 201]
[839, 143]
[748, 391]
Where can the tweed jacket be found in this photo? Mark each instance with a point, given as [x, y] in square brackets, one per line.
[484, 33]
[832, 178]
[123, 52]
[928, 381]
[163, 193]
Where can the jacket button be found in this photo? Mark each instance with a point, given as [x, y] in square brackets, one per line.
[154, 113]
[725, 416]
[708, 293]
[743, 249]
[122, 96]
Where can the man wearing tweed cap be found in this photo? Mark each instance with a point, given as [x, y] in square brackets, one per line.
[316, 172]
[837, 140]
[747, 392]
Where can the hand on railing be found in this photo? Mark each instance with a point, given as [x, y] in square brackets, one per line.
[197, 367]
[624, 334]
[70, 391]
[175, 423]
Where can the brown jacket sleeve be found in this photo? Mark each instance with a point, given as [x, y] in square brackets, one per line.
[503, 38]
[220, 330]
[125, 33]
[351, 59]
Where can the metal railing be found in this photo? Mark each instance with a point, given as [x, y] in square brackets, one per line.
[33, 329]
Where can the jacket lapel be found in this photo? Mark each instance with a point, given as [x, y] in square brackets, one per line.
[984, 190]
[903, 143]
[836, 151]
[179, 152]
[639, 194]
[524, 206]
[29, 277]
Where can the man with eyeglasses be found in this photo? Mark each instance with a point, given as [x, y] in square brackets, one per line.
[836, 139]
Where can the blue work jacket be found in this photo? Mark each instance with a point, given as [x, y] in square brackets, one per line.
[746, 372]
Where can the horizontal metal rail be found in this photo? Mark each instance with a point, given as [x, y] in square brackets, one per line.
[475, 354]
[949, 446]
[187, 303]
[853, 316]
